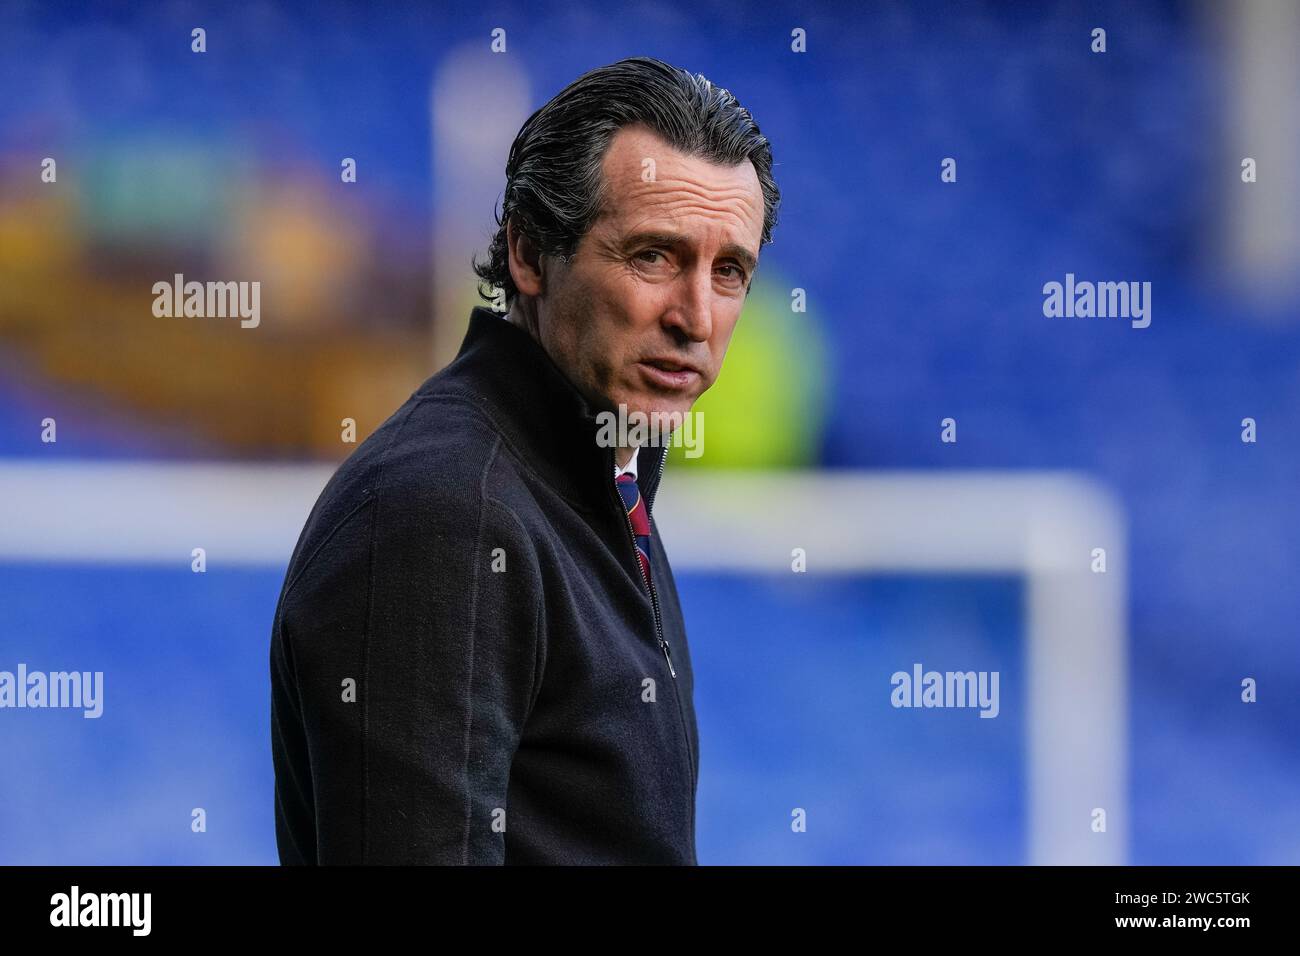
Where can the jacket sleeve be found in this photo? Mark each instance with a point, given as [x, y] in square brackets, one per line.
[406, 657]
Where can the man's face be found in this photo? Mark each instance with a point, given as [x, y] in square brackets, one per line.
[643, 314]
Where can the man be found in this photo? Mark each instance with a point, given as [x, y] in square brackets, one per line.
[478, 654]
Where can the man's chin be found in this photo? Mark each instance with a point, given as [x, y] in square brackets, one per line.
[655, 409]
[661, 405]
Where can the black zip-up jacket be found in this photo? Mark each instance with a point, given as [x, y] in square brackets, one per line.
[466, 661]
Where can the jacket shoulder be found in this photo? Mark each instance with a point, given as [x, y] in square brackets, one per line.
[421, 475]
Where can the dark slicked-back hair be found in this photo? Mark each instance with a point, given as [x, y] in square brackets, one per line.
[554, 183]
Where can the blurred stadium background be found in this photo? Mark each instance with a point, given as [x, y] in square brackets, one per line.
[925, 302]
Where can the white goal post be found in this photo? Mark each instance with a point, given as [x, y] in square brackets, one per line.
[1042, 526]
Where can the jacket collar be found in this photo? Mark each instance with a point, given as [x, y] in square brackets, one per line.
[540, 412]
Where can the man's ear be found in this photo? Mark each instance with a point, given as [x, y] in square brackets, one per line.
[525, 261]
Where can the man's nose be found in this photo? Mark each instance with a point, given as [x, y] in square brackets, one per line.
[692, 309]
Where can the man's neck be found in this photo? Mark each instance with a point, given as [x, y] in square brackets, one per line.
[623, 455]
[524, 315]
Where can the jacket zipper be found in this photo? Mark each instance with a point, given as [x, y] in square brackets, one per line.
[654, 596]
[659, 630]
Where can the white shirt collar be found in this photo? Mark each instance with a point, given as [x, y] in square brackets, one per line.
[631, 465]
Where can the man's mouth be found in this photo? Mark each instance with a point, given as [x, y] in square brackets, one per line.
[668, 373]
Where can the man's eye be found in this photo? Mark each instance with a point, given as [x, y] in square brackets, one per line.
[737, 272]
[649, 252]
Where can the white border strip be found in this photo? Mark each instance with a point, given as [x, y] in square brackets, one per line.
[1042, 526]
